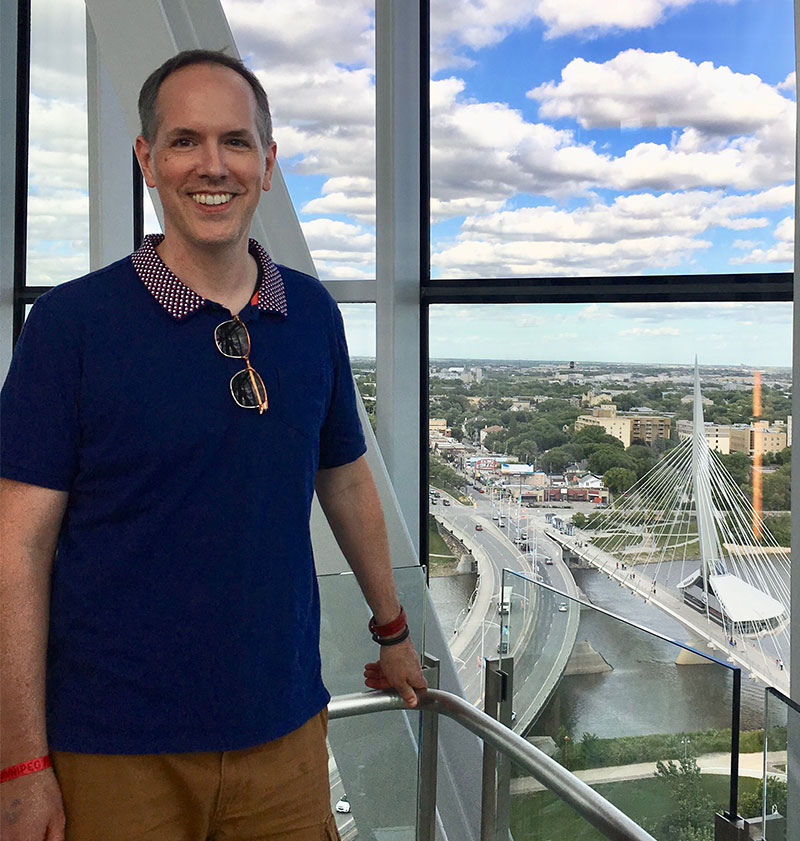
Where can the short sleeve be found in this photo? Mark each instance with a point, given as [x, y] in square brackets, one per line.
[39, 430]
[341, 438]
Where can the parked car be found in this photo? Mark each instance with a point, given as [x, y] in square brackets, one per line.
[478, 527]
[434, 501]
[445, 502]
[342, 806]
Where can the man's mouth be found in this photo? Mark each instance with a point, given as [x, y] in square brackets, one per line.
[211, 198]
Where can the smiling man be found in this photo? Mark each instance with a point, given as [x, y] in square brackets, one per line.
[166, 421]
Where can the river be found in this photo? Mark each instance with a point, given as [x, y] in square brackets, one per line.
[646, 692]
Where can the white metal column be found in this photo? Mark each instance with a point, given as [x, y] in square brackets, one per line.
[398, 248]
[110, 165]
[8, 160]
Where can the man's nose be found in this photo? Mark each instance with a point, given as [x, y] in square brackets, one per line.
[212, 160]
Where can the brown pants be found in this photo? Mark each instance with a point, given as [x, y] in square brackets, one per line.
[274, 792]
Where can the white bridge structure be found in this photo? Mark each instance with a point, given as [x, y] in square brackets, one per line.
[687, 539]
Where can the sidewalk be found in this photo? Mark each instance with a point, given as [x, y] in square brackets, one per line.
[750, 765]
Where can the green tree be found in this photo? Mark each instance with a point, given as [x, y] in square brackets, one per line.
[751, 805]
[619, 479]
[693, 816]
[606, 457]
[739, 466]
[777, 489]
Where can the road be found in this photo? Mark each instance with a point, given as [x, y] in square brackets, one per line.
[540, 636]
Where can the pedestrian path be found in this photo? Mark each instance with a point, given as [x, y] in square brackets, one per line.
[750, 765]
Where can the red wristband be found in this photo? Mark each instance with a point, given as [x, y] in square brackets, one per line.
[390, 628]
[29, 767]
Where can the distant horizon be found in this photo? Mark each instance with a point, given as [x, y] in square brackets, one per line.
[477, 361]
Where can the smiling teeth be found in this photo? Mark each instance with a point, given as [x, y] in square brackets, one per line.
[212, 198]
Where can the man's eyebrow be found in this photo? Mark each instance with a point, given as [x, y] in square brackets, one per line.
[180, 131]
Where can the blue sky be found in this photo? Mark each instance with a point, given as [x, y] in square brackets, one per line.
[568, 138]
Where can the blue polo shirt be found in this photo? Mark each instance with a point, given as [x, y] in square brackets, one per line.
[184, 607]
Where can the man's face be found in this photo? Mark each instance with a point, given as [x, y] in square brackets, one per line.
[206, 161]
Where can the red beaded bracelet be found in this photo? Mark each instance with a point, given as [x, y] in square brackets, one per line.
[29, 767]
[390, 628]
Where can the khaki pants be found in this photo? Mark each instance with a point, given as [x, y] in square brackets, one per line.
[274, 792]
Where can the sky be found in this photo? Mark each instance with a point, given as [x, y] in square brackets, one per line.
[568, 137]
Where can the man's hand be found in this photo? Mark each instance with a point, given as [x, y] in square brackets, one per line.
[31, 808]
[399, 669]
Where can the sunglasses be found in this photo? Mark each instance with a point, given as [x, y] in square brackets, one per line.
[247, 387]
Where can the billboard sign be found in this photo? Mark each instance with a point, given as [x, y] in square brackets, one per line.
[516, 469]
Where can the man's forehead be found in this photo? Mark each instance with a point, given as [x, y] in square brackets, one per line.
[188, 86]
[199, 76]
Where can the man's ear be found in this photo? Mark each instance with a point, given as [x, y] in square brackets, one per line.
[271, 157]
[142, 148]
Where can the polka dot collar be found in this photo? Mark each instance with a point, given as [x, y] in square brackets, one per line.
[179, 300]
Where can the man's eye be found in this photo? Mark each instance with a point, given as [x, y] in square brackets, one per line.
[182, 141]
[237, 141]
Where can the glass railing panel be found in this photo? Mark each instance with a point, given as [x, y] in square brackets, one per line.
[642, 717]
[380, 793]
[772, 796]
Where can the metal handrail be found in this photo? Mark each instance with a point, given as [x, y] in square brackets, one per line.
[602, 815]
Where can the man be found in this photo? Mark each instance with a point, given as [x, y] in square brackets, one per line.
[165, 423]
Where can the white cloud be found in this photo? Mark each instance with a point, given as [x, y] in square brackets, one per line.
[302, 34]
[789, 83]
[341, 251]
[781, 252]
[631, 235]
[661, 89]
[650, 331]
[564, 17]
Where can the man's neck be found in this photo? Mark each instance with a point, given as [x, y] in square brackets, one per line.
[225, 274]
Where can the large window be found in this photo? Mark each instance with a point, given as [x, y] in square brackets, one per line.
[58, 171]
[316, 62]
[625, 139]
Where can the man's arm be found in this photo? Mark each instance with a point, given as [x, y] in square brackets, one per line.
[350, 501]
[30, 519]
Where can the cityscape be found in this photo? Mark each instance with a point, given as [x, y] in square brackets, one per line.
[538, 470]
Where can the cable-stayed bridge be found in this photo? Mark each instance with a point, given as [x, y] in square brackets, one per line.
[687, 539]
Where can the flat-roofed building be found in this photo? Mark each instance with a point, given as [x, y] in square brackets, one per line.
[718, 436]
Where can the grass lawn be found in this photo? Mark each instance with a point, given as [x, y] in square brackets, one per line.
[541, 816]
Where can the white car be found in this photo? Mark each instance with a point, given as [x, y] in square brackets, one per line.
[342, 806]
[562, 608]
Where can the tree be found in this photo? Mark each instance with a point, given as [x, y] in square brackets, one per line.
[777, 489]
[751, 805]
[693, 816]
[605, 457]
[579, 520]
[619, 479]
[739, 466]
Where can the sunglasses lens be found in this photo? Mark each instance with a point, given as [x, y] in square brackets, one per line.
[232, 339]
[248, 390]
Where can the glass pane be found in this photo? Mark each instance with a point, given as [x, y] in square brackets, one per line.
[359, 326]
[562, 410]
[769, 804]
[58, 164]
[642, 719]
[316, 62]
[636, 139]
[382, 794]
